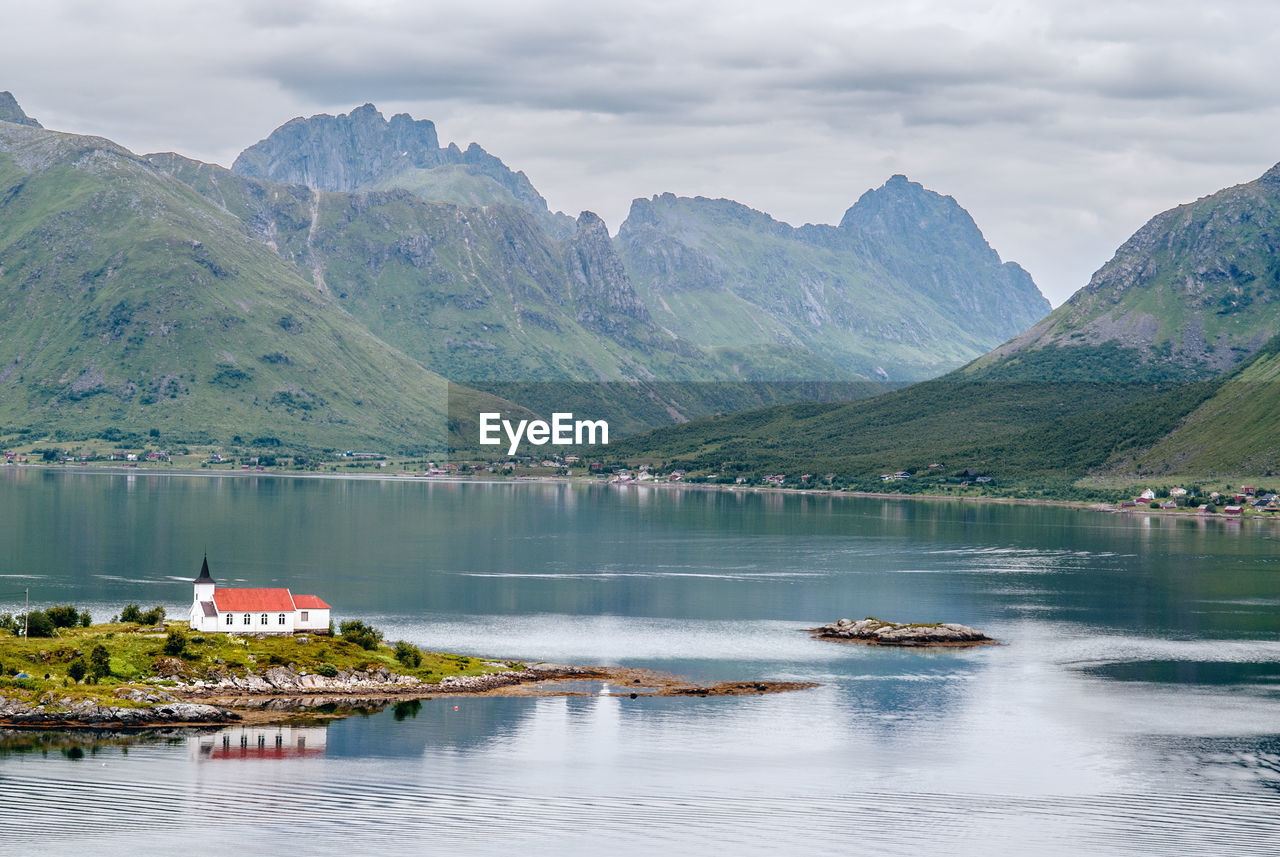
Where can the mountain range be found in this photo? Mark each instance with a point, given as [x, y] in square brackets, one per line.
[324, 291]
[1165, 364]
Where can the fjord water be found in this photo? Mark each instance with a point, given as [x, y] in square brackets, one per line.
[1134, 708]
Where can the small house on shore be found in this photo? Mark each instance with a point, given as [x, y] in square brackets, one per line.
[229, 610]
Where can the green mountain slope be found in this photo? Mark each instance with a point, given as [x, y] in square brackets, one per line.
[134, 303]
[1233, 433]
[1031, 436]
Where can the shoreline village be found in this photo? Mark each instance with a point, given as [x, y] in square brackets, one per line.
[1236, 511]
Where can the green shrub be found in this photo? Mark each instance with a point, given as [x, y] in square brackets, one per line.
[175, 645]
[327, 670]
[85, 619]
[408, 654]
[8, 623]
[131, 613]
[77, 669]
[39, 624]
[99, 662]
[64, 616]
[154, 616]
[365, 636]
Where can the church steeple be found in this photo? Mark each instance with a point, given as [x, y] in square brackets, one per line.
[204, 584]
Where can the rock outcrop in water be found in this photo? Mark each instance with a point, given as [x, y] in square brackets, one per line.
[877, 632]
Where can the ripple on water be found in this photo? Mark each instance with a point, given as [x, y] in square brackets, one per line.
[111, 814]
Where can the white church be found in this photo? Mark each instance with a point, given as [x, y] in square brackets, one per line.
[254, 611]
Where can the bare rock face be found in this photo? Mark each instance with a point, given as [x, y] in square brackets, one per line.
[11, 112]
[881, 633]
[341, 152]
[600, 288]
[279, 679]
[360, 148]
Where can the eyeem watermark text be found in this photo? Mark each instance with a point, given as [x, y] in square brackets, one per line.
[563, 430]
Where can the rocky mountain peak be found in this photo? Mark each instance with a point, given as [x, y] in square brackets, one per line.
[362, 150]
[598, 282]
[902, 207]
[932, 242]
[11, 112]
[340, 153]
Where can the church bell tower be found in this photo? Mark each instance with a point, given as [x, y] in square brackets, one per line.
[204, 583]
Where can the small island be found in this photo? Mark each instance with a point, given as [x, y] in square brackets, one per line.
[140, 672]
[876, 632]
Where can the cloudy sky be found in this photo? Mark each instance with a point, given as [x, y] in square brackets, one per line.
[1061, 126]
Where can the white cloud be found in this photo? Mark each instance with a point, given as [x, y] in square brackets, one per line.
[1061, 126]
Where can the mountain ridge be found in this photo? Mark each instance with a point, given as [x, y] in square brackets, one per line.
[494, 296]
[839, 291]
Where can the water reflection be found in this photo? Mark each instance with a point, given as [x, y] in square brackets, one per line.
[241, 743]
[412, 729]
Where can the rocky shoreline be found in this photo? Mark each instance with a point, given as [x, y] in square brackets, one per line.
[876, 632]
[280, 693]
[155, 709]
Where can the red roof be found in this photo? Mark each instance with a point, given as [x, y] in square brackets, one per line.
[309, 602]
[249, 600]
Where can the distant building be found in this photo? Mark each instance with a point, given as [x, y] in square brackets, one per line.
[254, 611]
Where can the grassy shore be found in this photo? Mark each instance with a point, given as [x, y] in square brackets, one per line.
[152, 656]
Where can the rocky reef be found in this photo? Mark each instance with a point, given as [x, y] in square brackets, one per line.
[879, 633]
